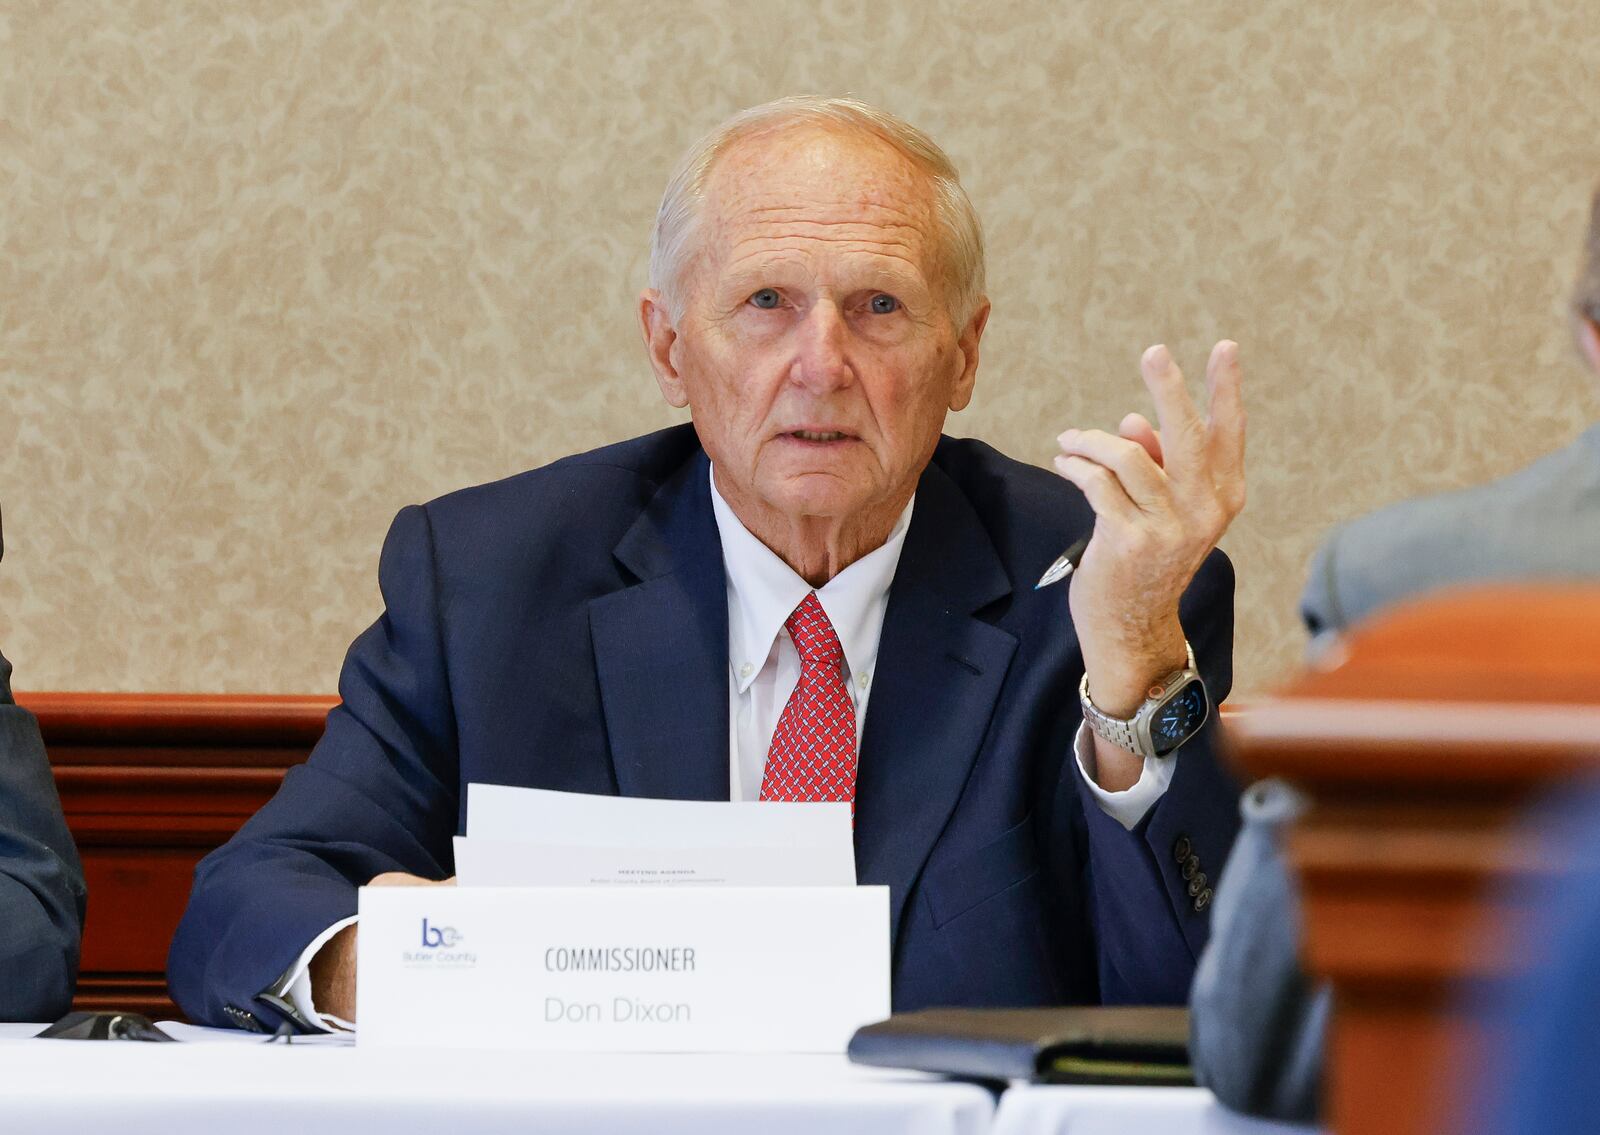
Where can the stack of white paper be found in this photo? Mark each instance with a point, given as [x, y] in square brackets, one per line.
[529, 837]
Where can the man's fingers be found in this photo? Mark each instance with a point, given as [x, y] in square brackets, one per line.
[1100, 487]
[1183, 430]
[1141, 478]
[1136, 427]
[1226, 417]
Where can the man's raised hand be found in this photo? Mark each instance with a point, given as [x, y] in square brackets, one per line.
[1162, 500]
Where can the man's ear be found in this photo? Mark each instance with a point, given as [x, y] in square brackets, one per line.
[659, 336]
[1589, 342]
[970, 335]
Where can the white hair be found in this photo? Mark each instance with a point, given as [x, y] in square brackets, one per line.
[672, 240]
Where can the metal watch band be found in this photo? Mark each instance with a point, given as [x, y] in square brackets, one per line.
[1120, 733]
[1125, 734]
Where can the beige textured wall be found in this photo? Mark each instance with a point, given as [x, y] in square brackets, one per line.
[270, 271]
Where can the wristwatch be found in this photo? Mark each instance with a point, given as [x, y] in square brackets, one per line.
[1175, 710]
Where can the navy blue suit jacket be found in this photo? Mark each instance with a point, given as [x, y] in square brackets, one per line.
[568, 629]
[42, 892]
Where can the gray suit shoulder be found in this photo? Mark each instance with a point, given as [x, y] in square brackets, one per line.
[1258, 1025]
[1541, 522]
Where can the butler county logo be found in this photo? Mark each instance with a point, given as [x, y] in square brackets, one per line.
[439, 947]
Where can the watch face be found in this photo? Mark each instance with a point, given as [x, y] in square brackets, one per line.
[1179, 718]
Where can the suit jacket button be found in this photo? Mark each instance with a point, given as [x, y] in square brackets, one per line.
[1191, 867]
[1202, 900]
[244, 1019]
[1197, 884]
[1181, 849]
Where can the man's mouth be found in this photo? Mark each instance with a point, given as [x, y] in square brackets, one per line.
[818, 435]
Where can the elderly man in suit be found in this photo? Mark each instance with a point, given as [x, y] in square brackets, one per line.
[1258, 1022]
[706, 612]
[42, 893]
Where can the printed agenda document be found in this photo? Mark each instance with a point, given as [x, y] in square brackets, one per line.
[530, 837]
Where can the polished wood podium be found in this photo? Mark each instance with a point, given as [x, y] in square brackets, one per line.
[1421, 739]
[149, 784]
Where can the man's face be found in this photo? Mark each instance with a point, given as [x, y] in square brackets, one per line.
[816, 350]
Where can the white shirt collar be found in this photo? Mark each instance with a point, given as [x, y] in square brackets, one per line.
[763, 592]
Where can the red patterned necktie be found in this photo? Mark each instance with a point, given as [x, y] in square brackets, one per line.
[813, 754]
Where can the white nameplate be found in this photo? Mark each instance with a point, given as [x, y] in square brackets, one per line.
[672, 969]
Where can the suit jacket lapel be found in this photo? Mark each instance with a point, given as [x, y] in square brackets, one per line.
[939, 673]
[661, 648]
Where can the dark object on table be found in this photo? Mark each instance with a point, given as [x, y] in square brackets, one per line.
[1080, 1044]
[106, 1026]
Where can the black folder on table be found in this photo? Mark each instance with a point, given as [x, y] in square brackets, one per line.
[1080, 1044]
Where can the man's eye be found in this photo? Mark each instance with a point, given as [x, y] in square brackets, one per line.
[884, 305]
[766, 298]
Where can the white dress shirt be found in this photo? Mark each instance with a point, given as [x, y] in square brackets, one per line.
[764, 668]
[763, 664]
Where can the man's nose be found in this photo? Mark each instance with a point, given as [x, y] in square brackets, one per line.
[822, 359]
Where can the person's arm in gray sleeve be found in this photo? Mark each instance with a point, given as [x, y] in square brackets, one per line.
[1258, 1024]
[42, 892]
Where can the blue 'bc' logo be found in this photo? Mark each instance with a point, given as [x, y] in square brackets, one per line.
[434, 937]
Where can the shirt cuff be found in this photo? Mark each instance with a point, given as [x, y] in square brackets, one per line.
[294, 986]
[1129, 806]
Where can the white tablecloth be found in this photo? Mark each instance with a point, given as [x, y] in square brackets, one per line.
[247, 1088]
[1031, 1109]
[232, 1083]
